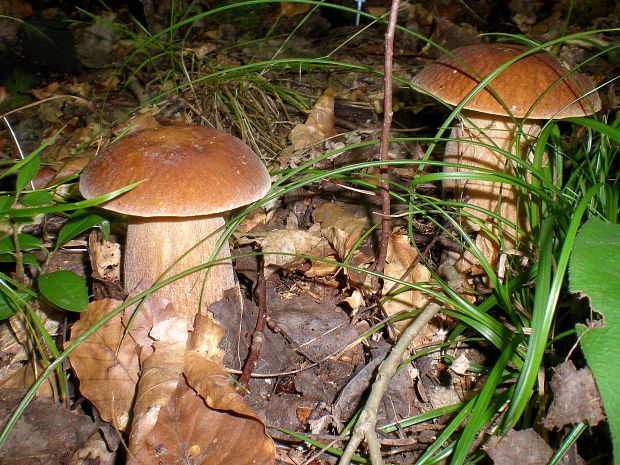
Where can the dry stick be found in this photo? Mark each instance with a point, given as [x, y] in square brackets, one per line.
[385, 137]
[258, 337]
[367, 421]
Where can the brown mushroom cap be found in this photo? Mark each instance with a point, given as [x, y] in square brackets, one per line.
[188, 171]
[519, 86]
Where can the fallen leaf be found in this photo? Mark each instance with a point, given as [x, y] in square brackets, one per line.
[45, 433]
[340, 227]
[280, 246]
[5, 96]
[22, 378]
[209, 378]
[143, 120]
[106, 364]
[161, 372]
[200, 51]
[208, 333]
[105, 259]
[293, 9]
[96, 449]
[517, 445]
[400, 260]
[252, 220]
[187, 432]
[319, 125]
[377, 10]
[47, 91]
[575, 398]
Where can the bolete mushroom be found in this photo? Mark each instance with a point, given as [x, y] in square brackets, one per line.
[533, 89]
[192, 175]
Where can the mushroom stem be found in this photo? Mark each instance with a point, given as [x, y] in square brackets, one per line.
[503, 199]
[157, 243]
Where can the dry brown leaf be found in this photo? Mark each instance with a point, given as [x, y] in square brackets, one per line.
[45, 433]
[24, 376]
[358, 278]
[319, 268]
[469, 264]
[159, 379]
[206, 337]
[81, 89]
[73, 165]
[105, 258]
[209, 378]
[575, 398]
[46, 92]
[5, 96]
[187, 432]
[278, 242]
[319, 125]
[255, 218]
[201, 50]
[340, 227]
[143, 120]
[106, 364]
[377, 10]
[400, 257]
[293, 9]
[94, 450]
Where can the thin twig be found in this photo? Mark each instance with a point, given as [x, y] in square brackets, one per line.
[258, 337]
[385, 137]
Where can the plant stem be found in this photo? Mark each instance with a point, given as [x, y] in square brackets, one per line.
[385, 136]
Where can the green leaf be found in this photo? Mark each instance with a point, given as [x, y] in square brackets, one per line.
[27, 259]
[36, 198]
[10, 302]
[6, 201]
[64, 289]
[595, 272]
[22, 212]
[26, 242]
[78, 223]
[607, 129]
[27, 171]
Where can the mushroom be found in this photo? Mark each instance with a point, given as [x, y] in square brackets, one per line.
[535, 88]
[192, 175]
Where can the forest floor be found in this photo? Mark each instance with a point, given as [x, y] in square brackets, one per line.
[302, 86]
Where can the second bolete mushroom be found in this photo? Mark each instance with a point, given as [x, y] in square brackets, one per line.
[191, 175]
[533, 89]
